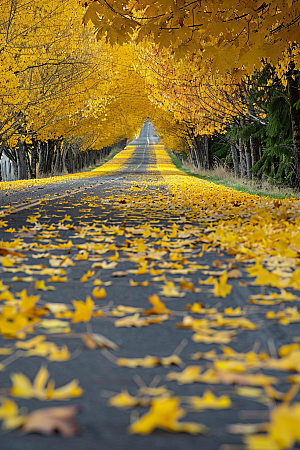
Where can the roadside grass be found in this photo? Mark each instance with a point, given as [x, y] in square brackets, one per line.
[223, 177]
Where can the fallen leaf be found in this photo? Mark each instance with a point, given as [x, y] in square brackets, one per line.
[209, 401]
[164, 413]
[83, 310]
[51, 420]
[22, 387]
[158, 306]
[99, 293]
[93, 341]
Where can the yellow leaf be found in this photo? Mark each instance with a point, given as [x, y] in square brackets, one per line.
[40, 285]
[7, 261]
[99, 293]
[124, 400]
[209, 401]
[158, 306]
[27, 301]
[88, 275]
[83, 310]
[221, 289]
[82, 255]
[138, 283]
[22, 387]
[164, 413]
[57, 279]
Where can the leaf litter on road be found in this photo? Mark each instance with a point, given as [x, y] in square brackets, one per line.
[257, 243]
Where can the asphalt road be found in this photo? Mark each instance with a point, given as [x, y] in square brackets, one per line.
[105, 199]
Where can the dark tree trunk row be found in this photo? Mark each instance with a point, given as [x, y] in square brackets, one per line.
[55, 157]
[200, 154]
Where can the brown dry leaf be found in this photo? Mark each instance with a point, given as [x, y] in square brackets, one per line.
[234, 273]
[95, 340]
[119, 273]
[50, 420]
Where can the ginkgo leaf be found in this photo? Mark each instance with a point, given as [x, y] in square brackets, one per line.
[138, 283]
[150, 361]
[209, 401]
[86, 276]
[125, 400]
[190, 374]
[169, 290]
[132, 321]
[57, 279]
[27, 301]
[9, 413]
[158, 306]
[221, 289]
[40, 285]
[99, 293]
[164, 413]
[83, 310]
[22, 387]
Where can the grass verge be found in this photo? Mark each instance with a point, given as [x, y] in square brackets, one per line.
[225, 178]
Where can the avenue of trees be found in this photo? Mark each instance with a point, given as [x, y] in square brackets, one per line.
[219, 79]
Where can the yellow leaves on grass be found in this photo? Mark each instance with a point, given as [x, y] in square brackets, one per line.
[83, 310]
[164, 413]
[40, 389]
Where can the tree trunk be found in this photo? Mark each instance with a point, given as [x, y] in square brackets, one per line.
[50, 156]
[57, 163]
[255, 153]
[42, 152]
[22, 162]
[294, 97]
[235, 160]
[248, 161]
[242, 157]
[33, 161]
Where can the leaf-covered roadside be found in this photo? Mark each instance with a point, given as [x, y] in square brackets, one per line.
[161, 253]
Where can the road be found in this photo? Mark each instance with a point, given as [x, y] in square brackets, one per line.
[117, 207]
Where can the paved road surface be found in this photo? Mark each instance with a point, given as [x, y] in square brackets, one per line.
[104, 427]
